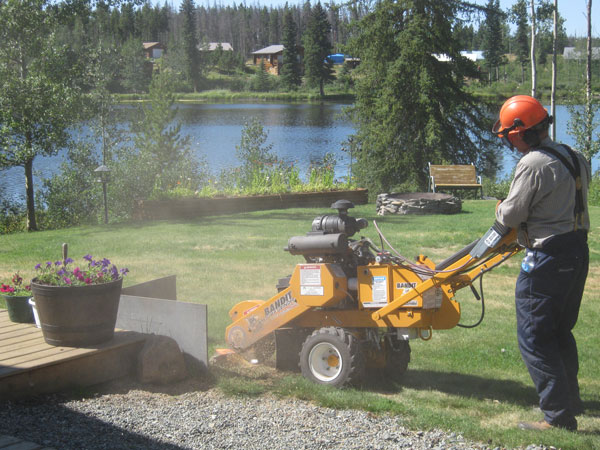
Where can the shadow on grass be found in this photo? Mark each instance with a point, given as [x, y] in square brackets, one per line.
[464, 385]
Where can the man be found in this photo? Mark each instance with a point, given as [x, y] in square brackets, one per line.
[547, 203]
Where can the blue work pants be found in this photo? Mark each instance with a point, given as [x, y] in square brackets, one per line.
[547, 304]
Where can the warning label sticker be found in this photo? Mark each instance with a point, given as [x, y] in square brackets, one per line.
[311, 290]
[379, 287]
[310, 275]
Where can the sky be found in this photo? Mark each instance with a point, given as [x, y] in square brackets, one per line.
[573, 11]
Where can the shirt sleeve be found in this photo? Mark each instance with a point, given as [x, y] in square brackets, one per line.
[514, 210]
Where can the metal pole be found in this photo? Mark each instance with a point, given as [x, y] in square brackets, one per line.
[105, 202]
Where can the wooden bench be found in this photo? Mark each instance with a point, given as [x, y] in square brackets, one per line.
[454, 177]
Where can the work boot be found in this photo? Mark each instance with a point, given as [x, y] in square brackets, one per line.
[542, 425]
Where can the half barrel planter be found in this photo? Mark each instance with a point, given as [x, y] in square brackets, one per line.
[77, 316]
[19, 309]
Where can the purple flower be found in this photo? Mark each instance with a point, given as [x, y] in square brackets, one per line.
[60, 273]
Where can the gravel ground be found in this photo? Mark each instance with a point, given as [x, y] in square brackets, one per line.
[129, 417]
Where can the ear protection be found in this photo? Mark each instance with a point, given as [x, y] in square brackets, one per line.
[531, 136]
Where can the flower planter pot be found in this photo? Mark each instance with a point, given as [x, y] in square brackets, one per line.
[18, 308]
[77, 316]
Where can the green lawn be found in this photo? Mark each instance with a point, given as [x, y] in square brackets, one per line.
[470, 381]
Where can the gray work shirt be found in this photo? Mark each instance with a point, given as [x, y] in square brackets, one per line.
[542, 195]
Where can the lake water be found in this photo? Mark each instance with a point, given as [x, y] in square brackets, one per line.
[298, 133]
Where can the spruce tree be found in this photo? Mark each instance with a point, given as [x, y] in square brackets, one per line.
[317, 47]
[290, 71]
[190, 43]
[519, 17]
[411, 108]
[492, 42]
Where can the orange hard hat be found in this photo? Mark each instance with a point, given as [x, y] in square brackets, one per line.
[519, 113]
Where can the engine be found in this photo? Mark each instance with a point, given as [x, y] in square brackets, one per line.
[328, 240]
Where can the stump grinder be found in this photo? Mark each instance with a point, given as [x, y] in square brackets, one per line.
[353, 305]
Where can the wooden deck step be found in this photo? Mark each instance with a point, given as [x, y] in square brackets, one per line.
[29, 366]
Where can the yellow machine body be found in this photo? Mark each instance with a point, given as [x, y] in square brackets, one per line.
[381, 295]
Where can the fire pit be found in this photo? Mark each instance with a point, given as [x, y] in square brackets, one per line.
[417, 203]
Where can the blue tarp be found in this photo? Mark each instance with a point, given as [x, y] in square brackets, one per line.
[337, 58]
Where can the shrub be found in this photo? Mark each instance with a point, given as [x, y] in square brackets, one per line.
[594, 191]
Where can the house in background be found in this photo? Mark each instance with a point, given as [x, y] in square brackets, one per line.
[213, 46]
[574, 53]
[153, 50]
[272, 57]
[475, 55]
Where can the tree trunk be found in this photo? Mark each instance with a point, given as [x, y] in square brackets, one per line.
[588, 87]
[31, 223]
[554, 50]
[321, 88]
[533, 67]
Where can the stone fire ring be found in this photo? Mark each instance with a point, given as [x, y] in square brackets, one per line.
[417, 203]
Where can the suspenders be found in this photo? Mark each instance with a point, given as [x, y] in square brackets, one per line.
[575, 171]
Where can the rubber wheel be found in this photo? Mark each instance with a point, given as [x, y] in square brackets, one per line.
[332, 356]
[397, 357]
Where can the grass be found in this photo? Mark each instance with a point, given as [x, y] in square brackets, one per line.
[472, 382]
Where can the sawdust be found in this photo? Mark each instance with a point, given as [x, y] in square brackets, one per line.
[256, 362]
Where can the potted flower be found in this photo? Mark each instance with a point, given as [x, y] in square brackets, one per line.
[16, 297]
[77, 303]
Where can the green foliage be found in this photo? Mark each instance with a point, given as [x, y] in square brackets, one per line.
[189, 40]
[518, 14]
[496, 189]
[290, 71]
[594, 190]
[410, 108]
[492, 43]
[344, 78]
[73, 196]
[321, 173]
[162, 158]
[136, 71]
[40, 94]
[12, 215]
[261, 82]
[583, 120]
[317, 48]
[253, 151]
